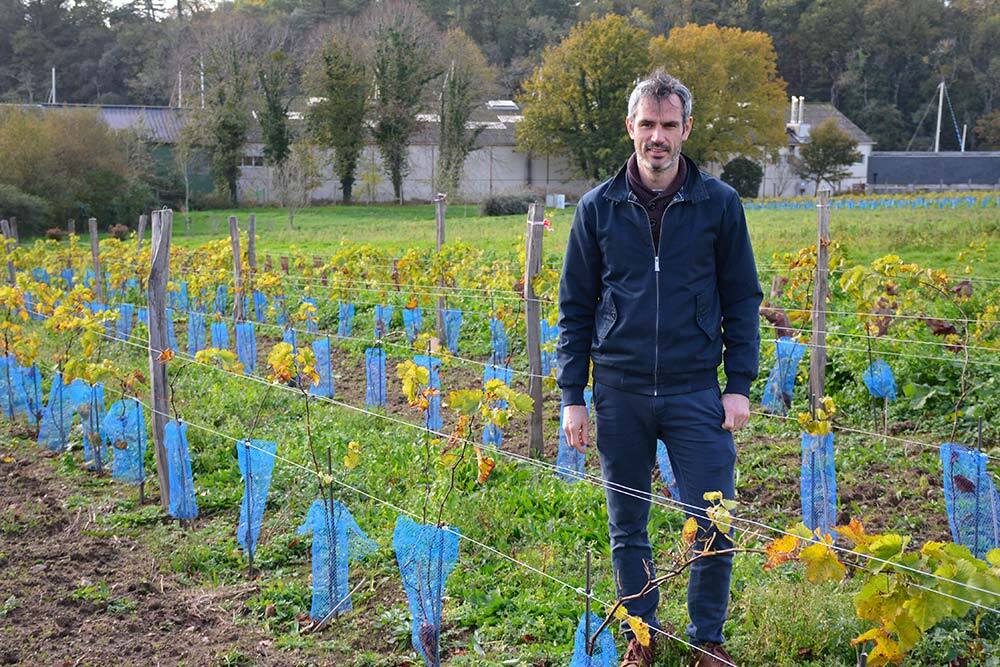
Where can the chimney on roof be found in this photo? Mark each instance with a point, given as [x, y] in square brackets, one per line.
[802, 107]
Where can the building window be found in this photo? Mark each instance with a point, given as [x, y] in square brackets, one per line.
[253, 161]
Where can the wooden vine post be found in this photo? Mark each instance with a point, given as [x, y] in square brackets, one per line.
[9, 243]
[440, 204]
[159, 272]
[251, 252]
[71, 226]
[234, 239]
[817, 359]
[140, 232]
[95, 253]
[532, 316]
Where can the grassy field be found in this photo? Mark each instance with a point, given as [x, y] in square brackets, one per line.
[931, 237]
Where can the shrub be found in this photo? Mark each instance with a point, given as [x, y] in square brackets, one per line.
[119, 231]
[55, 233]
[509, 204]
[31, 212]
[744, 175]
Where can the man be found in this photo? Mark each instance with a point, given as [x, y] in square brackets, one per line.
[658, 287]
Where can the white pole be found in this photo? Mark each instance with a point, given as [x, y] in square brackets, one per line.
[202, 64]
[965, 126]
[52, 99]
[180, 88]
[937, 133]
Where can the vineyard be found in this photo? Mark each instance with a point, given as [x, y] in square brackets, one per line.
[353, 456]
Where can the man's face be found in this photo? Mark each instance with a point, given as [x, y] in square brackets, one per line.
[658, 133]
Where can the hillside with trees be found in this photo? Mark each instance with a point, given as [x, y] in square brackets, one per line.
[878, 61]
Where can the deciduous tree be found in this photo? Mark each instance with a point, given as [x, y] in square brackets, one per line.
[338, 78]
[575, 103]
[828, 154]
[464, 81]
[739, 98]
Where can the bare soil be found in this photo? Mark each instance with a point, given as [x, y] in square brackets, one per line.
[71, 594]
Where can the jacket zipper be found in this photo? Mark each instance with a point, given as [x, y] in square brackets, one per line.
[655, 243]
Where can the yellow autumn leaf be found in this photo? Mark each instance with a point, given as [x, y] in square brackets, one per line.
[822, 563]
[639, 627]
[353, 457]
[484, 466]
[780, 551]
[690, 531]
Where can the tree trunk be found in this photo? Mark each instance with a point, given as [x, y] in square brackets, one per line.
[346, 186]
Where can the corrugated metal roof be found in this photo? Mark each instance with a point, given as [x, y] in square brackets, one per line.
[158, 124]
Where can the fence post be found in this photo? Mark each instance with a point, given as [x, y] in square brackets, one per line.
[159, 271]
[71, 226]
[252, 248]
[440, 204]
[817, 365]
[95, 253]
[8, 243]
[140, 232]
[532, 317]
[13, 229]
[234, 238]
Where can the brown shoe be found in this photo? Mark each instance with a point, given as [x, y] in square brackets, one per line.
[637, 655]
[711, 655]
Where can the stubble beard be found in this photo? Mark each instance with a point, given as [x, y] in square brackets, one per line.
[662, 167]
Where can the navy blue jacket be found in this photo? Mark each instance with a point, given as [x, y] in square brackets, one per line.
[655, 320]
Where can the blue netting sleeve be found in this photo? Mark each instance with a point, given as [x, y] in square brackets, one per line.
[182, 498]
[220, 336]
[142, 316]
[452, 328]
[337, 540]
[383, 320]
[124, 430]
[123, 327]
[426, 555]
[375, 379]
[345, 319]
[880, 381]
[256, 461]
[279, 306]
[324, 367]
[312, 321]
[171, 331]
[12, 394]
[57, 416]
[605, 653]
[549, 334]
[180, 298]
[971, 499]
[499, 344]
[221, 299]
[781, 381]
[412, 323]
[246, 346]
[92, 416]
[569, 462]
[196, 332]
[68, 278]
[666, 470]
[433, 419]
[31, 384]
[259, 306]
[818, 483]
[492, 434]
[291, 337]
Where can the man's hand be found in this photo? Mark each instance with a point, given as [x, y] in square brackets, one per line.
[737, 407]
[576, 426]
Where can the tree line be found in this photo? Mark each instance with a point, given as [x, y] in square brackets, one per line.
[878, 61]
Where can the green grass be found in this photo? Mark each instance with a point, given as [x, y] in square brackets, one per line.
[931, 237]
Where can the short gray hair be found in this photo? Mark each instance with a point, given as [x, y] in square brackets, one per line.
[659, 85]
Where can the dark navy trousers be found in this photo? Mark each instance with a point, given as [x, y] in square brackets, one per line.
[702, 455]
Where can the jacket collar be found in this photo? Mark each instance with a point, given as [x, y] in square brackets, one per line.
[618, 190]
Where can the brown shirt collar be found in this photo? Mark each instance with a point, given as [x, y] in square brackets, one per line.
[644, 194]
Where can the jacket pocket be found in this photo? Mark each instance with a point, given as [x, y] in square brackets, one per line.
[708, 313]
[607, 316]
